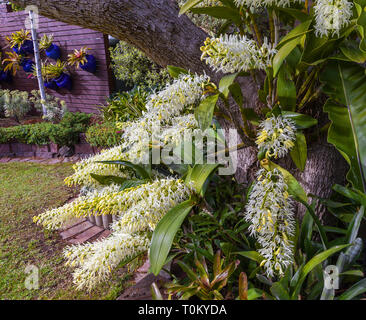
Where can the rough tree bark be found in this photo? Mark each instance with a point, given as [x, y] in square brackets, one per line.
[153, 26]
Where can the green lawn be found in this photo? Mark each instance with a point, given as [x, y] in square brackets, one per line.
[27, 189]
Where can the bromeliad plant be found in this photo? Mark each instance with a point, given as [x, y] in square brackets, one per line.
[21, 42]
[82, 59]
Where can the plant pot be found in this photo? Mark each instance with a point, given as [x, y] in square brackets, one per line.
[5, 76]
[26, 47]
[90, 65]
[27, 65]
[53, 52]
[50, 85]
[64, 81]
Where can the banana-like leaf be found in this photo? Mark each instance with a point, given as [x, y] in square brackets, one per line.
[319, 258]
[164, 234]
[346, 83]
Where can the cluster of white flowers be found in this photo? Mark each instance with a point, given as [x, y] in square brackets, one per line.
[164, 122]
[270, 212]
[276, 136]
[94, 262]
[138, 210]
[331, 16]
[265, 3]
[232, 53]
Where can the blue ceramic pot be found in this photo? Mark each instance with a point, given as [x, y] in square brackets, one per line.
[27, 47]
[27, 65]
[90, 65]
[64, 81]
[53, 52]
[50, 85]
[5, 76]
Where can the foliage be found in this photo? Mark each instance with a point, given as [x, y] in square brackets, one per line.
[105, 134]
[54, 70]
[78, 57]
[15, 103]
[125, 106]
[55, 107]
[13, 62]
[45, 42]
[65, 133]
[17, 38]
[135, 69]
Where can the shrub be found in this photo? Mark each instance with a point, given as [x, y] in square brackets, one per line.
[104, 134]
[55, 107]
[135, 69]
[15, 103]
[65, 133]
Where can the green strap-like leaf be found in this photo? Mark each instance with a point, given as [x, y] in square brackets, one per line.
[354, 291]
[137, 168]
[312, 264]
[299, 152]
[175, 72]
[205, 111]
[164, 234]
[199, 174]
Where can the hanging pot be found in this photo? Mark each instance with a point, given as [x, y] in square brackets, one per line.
[53, 52]
[27, 47]
[50, 85]
[5, 76]
[64, 81]
[90, 65]
[27, 65]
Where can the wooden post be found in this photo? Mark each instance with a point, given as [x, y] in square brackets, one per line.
[38, 61]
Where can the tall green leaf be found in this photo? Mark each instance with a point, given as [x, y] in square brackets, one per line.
[286, 89]
[164, 234]
[354, 291]
[346, 83]
[312, 264]
[299, 152]
[205, 110]
[199, 174]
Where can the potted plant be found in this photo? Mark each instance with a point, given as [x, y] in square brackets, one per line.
[52, 50]
[57, 72]
[49, 83]
[15, 61]
[80, 58]
[4, 75]
[20, 42]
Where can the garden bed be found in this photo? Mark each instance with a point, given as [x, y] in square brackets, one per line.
[48, 151]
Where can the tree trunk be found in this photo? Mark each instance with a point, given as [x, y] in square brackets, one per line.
[153, 26]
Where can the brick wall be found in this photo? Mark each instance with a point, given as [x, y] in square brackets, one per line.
[89, 90]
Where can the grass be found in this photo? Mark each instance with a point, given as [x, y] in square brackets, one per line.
[27, 189]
